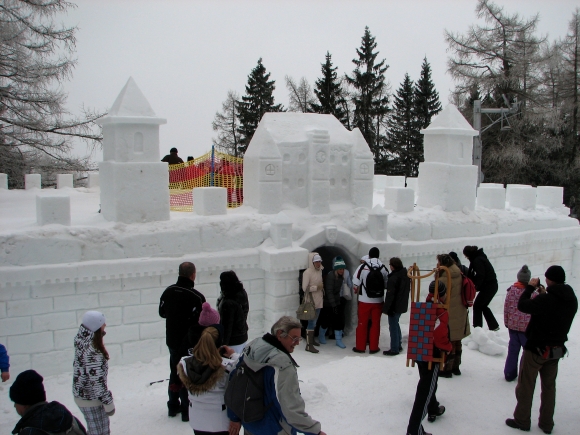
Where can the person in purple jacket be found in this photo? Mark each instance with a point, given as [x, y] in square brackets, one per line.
[516, 322]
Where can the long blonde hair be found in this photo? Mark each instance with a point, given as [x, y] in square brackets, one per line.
[205, 351]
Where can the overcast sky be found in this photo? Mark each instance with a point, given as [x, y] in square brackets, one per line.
[184, 55]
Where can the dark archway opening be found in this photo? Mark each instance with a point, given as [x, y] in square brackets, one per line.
[328, 253]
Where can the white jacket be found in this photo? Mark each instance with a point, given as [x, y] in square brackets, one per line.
[207, 411]
[362, 279]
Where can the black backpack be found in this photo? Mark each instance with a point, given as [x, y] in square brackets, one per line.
[375, 283]
[245, 395]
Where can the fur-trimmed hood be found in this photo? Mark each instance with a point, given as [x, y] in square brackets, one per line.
[198, 378]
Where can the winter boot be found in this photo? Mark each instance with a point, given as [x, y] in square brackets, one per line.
[310, 341]
[438, 413]
[338, 337]
[322, 335]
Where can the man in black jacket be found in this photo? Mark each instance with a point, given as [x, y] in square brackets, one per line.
[180, 306]
[40, 417]
[172, 158]
[483, 275]
[396, 302]
[552, 313]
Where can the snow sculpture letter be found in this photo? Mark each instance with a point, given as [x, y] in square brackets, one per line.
[134, 182]
[447, 178]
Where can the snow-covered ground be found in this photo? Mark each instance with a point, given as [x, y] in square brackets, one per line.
[348, 393]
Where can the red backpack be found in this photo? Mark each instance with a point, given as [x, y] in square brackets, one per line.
[467, 291]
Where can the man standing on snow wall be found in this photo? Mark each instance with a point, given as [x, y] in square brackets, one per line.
[180, 305]
[552, 313]
[370, 281]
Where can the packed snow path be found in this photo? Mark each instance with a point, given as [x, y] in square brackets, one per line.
[349, 394]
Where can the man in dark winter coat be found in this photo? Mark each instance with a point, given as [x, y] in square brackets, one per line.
[483, 275]
[180, 305]
[172, 158]
[552, 312]
[396, 302]
[40, 417]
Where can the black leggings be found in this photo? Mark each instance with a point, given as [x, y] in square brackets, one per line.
[425, 395]
[480, 306]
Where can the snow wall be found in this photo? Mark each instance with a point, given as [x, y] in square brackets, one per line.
[298, 201]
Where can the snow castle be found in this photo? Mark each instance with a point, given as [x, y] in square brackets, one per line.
[308, 186]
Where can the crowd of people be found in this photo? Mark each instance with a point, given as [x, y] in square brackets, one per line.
[207, 346]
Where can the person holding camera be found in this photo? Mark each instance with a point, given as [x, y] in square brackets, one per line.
[552, 312]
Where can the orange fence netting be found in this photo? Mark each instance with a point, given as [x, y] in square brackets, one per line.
[211, 169]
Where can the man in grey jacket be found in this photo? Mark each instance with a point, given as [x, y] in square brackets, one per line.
[287, 413]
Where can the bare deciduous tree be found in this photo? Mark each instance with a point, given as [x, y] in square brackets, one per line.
[300, 95]
[226, 123]
[500, 57]
[35, 60]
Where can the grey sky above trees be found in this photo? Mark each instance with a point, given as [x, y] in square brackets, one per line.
[186, 55]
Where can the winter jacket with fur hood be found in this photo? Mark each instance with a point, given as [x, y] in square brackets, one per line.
[206, 388]
[287, 415]
[90, 369]
[312, 282]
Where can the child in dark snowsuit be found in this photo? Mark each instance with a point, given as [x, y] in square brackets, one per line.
[427, 385]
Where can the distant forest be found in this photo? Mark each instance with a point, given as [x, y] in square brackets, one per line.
[501, 61]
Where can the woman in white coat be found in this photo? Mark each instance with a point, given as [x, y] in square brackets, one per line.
[205, 375]
[313, 287]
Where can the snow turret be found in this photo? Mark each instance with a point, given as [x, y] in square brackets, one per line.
[134, 183]
[447, 178]
[131, 129]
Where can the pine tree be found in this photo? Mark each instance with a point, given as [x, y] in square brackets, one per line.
[404, 144]
[258, 100]
[371, 99]
[427, 102]
[328, 91]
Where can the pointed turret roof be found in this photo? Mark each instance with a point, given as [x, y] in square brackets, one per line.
[450, 121]
[131, 106]
[131, 102]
